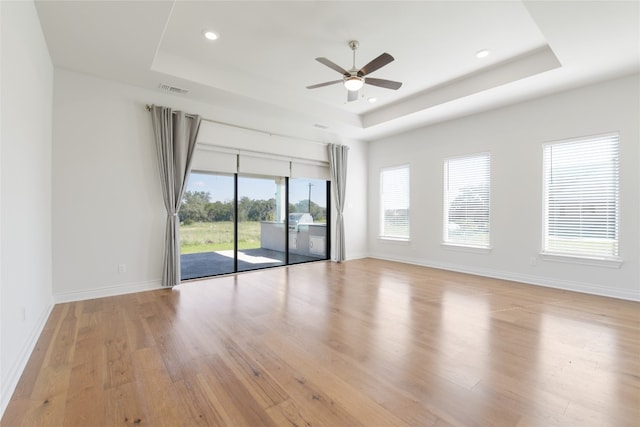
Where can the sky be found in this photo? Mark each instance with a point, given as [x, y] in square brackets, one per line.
[220, 188]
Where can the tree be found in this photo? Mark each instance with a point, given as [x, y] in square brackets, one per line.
[244, 204]
[219, 211]
[193, 207]
[470, 209]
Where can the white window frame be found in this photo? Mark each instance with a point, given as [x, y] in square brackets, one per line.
[382, 234]
[467, 245]
[573, 256]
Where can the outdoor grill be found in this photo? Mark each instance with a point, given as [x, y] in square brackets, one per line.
[295, 219]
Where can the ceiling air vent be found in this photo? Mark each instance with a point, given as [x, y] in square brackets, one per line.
[172, 89]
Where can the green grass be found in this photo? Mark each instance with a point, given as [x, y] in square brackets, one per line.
[218, 236]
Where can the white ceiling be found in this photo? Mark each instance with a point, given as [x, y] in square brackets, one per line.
[265, 56]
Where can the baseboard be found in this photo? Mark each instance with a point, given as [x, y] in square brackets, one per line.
[107, 291]
[566, 285]
[15, 372]
[356, 256]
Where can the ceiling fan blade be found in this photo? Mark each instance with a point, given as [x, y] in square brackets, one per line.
[333, 66]
[324, 84]
[377, 63]
[387, 84]
[353, 95]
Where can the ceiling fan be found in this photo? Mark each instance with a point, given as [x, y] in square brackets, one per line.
[353, 79]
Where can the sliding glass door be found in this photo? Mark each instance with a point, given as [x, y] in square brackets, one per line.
[261, 222]
[207, 226]
[308, 210]
[245, 221]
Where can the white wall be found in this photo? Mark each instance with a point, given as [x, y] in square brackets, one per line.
[514, 136]
[107, 205]
[25, 214]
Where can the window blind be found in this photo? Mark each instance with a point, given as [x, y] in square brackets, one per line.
[467, 200]
[394, 189]
[263, 166]
[581, 197]
[207, 160]
[309, 170]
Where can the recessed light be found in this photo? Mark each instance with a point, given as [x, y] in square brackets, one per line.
[210, 35]
[482, 53]
[372, 100]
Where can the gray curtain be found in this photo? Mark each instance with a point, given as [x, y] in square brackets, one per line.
[175, 135]
[338, 167]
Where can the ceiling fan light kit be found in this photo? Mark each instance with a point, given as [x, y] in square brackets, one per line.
[354, 83]
[353, 79]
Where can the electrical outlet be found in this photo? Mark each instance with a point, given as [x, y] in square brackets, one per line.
[533, 260]
[122, 268]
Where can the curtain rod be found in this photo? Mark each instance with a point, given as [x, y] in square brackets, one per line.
[148, 108]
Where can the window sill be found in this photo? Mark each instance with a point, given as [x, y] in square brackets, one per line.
[569, 259]
[394, 240]
[462, 248]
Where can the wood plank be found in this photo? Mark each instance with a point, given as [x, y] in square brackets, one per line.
[160, 397]
[200, 408]
[264, 389]
[124, 406]
[119, 368]
[231, 399]
[86, 384]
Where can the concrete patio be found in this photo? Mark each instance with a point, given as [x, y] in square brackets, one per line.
[205, 264]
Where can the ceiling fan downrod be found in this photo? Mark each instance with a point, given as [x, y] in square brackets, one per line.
[354, 82]
[354, 44]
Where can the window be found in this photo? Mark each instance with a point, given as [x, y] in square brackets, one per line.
[394, 189]
[581, 197]
[466, 200]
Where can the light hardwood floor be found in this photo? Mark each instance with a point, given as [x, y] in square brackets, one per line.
[363, 343]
